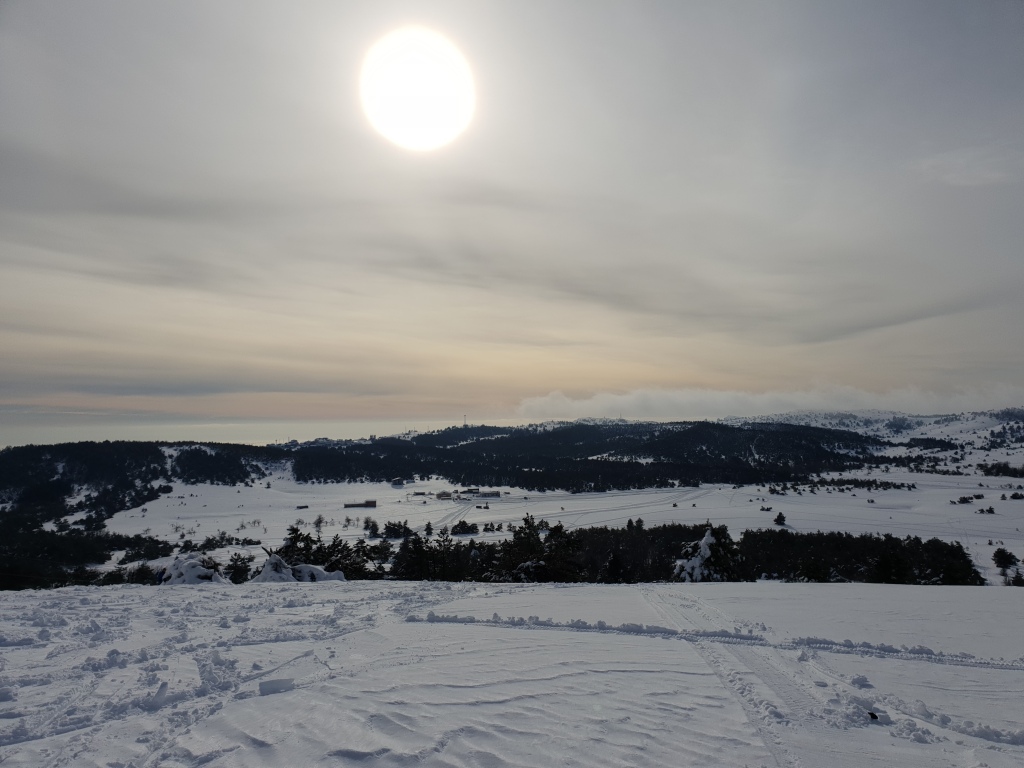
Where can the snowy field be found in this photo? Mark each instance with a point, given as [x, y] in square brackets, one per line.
[926, 512]
[399, 674]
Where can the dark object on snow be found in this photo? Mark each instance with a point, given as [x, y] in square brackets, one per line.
[872, 715]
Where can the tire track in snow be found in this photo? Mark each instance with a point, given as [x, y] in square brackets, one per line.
[800, 710]
[794, 725]
[675, 618]
[454, 516]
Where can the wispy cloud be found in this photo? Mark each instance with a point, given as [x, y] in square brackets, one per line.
[977, 166]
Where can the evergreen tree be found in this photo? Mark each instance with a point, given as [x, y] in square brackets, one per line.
[443, 547]
[238, 567]
[1004, 560]
[412, 560]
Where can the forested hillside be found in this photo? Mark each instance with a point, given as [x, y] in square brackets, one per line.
[56, 499]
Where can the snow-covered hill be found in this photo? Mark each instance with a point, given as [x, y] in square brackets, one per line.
[386, 674]
[974, 427]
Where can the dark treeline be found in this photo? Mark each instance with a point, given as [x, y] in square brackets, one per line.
[537, 551]
[224, 465]
[594, 457]
[840, 484]
[1001, 469]
[540, 552]
[41, 559]
[931, 444]
[837, 557]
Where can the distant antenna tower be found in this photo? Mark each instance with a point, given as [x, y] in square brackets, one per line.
[464, 420]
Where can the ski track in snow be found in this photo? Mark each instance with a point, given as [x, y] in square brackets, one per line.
[807, 722]
[395, 674]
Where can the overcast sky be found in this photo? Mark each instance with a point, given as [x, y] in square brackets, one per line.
[661, 209]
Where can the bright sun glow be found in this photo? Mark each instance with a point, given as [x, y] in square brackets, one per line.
[417, 89]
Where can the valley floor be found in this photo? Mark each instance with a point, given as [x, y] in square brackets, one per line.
[197, 511]
[396, 674]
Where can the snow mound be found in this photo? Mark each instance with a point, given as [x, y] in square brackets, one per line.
[190, 570]
[277, 570]
[846, 711]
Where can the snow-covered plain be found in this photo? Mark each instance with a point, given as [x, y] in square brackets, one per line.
[925, 511]
[397, 674]
[262, 513]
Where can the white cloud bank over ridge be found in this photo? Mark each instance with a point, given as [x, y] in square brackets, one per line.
[713, 404]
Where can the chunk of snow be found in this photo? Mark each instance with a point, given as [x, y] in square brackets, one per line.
[280, 685]
[277, 570]
[190, 570]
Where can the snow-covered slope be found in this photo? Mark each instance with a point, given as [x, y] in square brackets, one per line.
[958, 427]
[385, 674]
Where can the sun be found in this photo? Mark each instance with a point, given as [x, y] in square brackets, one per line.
[417, 89]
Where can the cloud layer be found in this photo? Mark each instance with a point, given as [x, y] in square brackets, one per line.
[197, 222]
[696, 404]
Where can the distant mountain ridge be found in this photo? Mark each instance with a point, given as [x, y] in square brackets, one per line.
[55, 499]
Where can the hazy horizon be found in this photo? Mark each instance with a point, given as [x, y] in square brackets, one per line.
[64, 427]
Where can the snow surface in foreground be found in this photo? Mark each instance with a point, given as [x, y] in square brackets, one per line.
[395, 674]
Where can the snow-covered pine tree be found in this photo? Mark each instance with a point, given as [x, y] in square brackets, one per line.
[710, 559]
